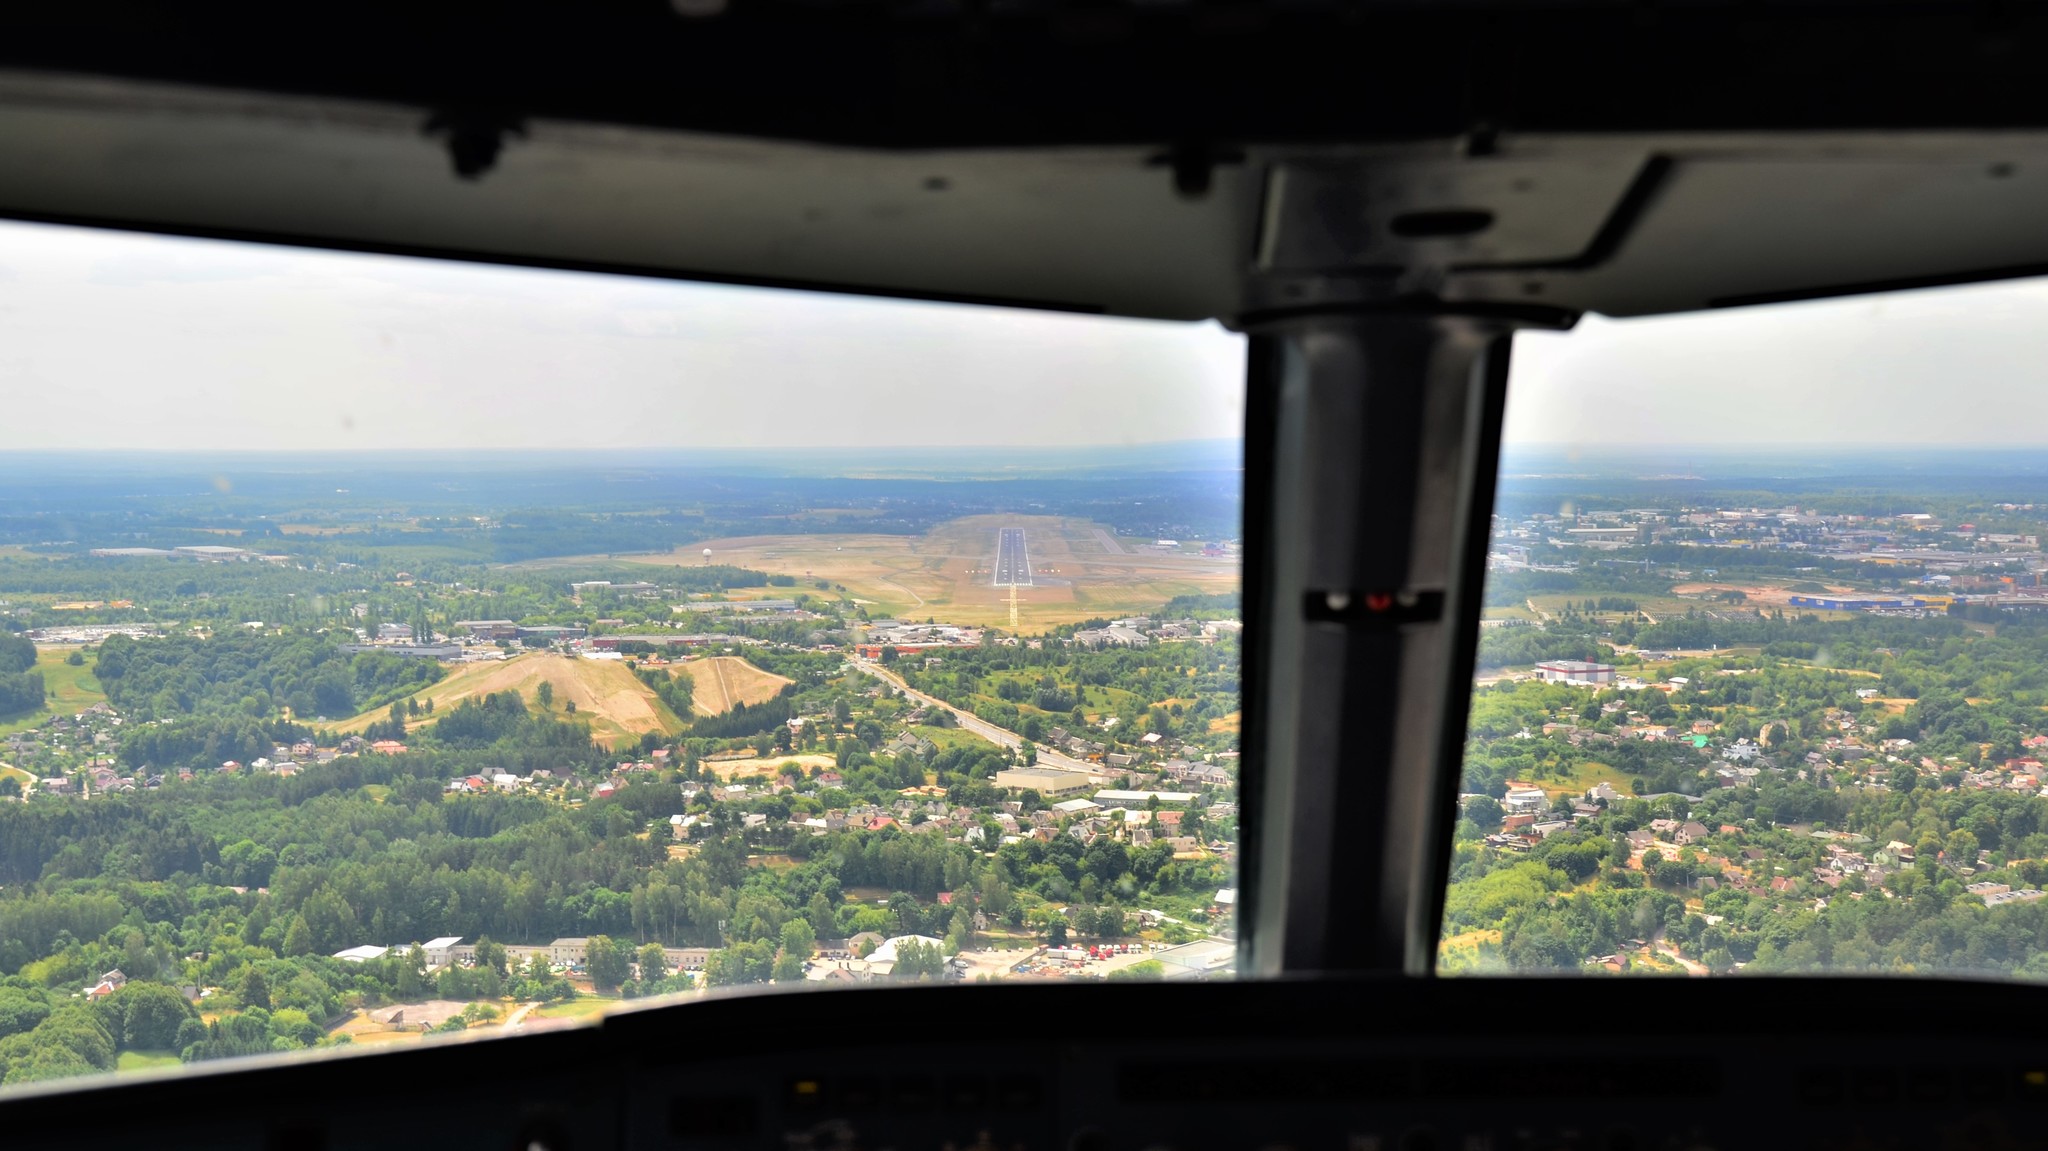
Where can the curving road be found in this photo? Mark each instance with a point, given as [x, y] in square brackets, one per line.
[974, 724]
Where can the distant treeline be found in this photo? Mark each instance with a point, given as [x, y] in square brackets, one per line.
[1517, 646]
[1219, 605]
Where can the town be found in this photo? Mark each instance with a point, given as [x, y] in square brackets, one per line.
[1709, 738]
[279, 799]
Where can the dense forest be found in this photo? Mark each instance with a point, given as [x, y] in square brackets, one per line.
[252, 674]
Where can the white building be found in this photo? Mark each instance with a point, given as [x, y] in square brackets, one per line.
[441, 951]
[1575, 671]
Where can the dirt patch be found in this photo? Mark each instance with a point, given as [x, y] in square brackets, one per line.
[724, 680]
[766, 765]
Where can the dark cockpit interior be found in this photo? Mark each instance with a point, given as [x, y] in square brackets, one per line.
[1379, 194]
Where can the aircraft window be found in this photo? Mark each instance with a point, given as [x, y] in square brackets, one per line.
[1763, 664]
[391, 648]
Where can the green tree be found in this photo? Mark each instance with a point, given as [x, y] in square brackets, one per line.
[298, 938]
[545, 693]
[253, 991]
[918, 961]
[798, 938]
[606, 961]
[412, 975]
[653, 963]
[491, 955]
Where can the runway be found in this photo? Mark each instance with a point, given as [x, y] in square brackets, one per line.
[1013, 559]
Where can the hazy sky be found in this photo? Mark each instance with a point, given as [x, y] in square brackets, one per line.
[1940, 366]
[131, 341]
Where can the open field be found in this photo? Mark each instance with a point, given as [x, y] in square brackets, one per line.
[1469, 951]
[9, 770]
[765, 765]
[1576, 781]
[581, 1007]
[724, 680]
[948, 573]
[68, 690]
[145, 1060]
[605, 692]
[1760, 595]
[949, 737]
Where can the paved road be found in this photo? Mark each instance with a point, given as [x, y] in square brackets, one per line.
[1108, 542]
[519, 1016]
[974, 724]
[1013, 559]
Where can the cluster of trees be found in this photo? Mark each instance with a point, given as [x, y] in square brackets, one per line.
[1216, 605]
[21, 686]
[745, 720]
[46, 1035]
[252, 675]
[1031, 691]
[1519, 644]
[676, 690]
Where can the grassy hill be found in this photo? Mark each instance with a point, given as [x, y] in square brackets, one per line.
[605, 692]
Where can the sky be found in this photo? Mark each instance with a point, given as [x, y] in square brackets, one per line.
[129, 341]
[1947, 366]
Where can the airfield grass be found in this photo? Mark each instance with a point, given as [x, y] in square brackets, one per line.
[945, 573]
[606, 694]
[67, 690]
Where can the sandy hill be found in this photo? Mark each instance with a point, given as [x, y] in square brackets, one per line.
[724, 680]
[605, 692]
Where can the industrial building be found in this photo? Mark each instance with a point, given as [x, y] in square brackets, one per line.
[1870, 603]
[1575, 671]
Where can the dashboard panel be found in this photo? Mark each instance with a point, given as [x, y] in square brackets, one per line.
[1356, 1065]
